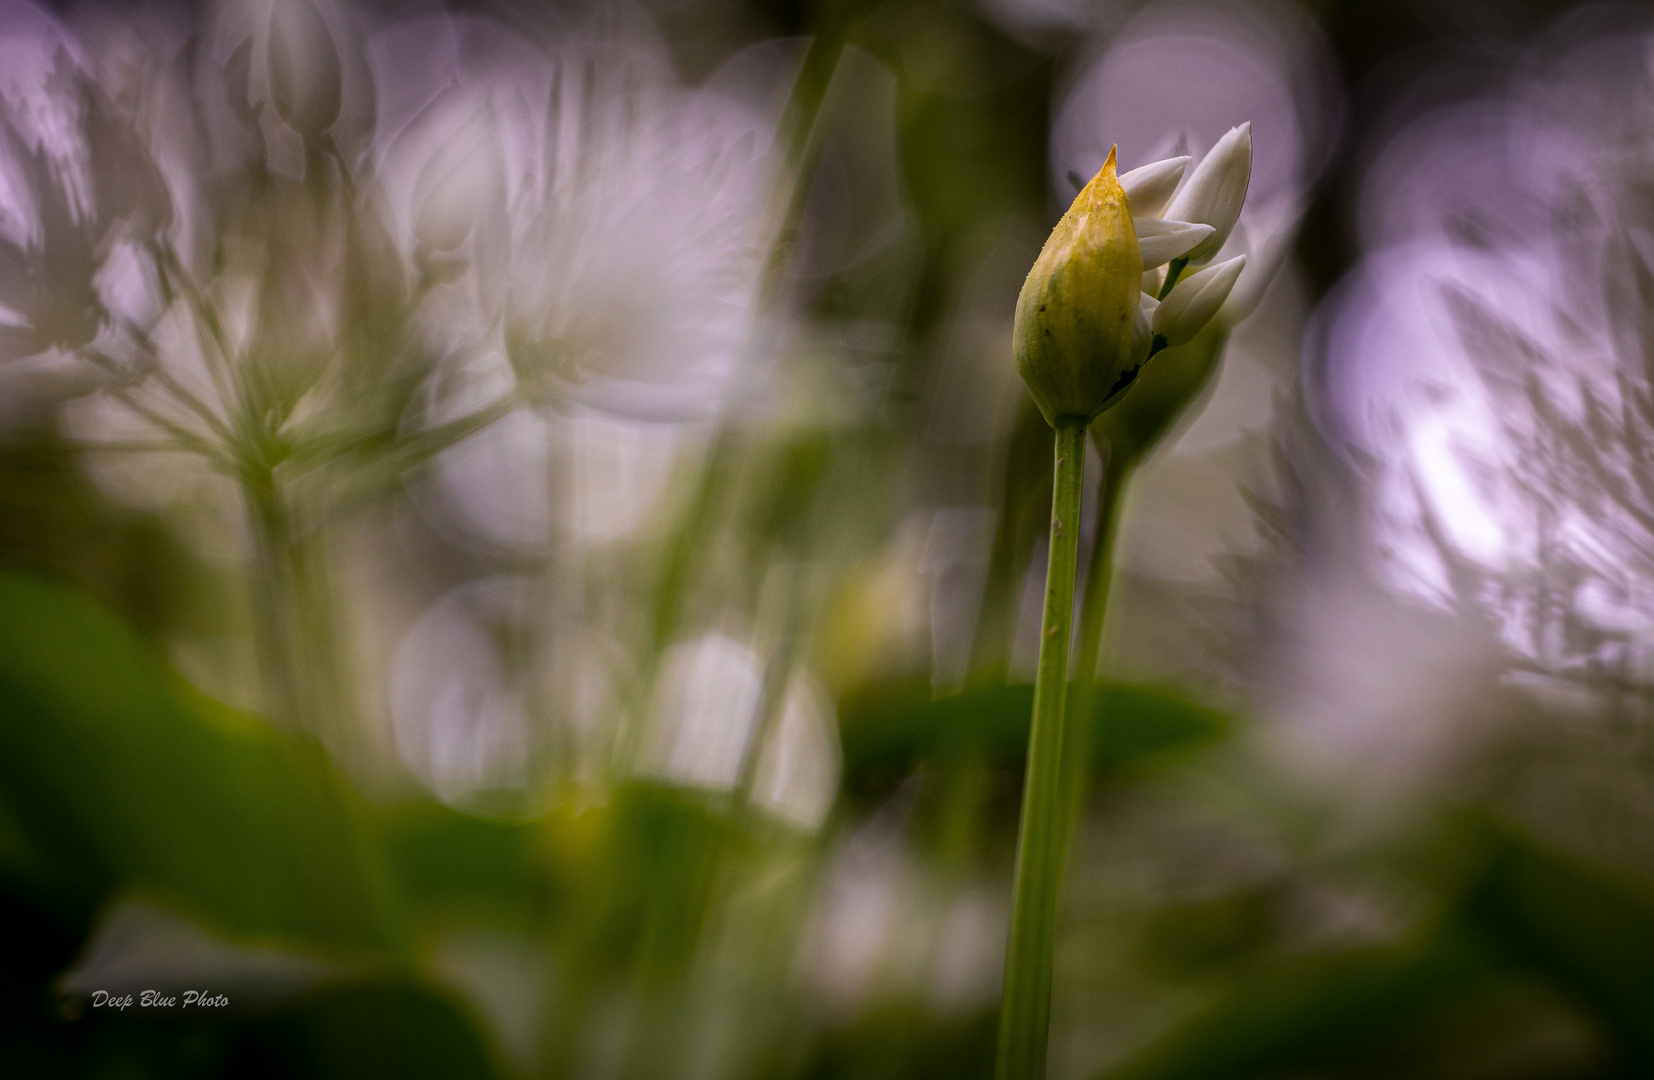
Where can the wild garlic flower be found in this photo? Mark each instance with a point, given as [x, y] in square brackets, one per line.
[611, 224]
[1083, 330]
[636, 262]
[204, 295]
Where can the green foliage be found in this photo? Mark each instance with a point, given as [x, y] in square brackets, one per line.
[1531, 928]
[115, 773]
[115, 778]
[1133, 726]
[367, 1031]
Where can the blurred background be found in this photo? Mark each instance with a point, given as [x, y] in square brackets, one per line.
[521, 545]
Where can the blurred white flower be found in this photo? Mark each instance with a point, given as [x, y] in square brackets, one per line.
[618, 223]
[636, 264]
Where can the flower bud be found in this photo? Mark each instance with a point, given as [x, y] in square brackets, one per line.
[1194, 300]
[1149, 187]
[1076, 315]
[1160, 241]
[306, 83]
[463, 180]
[1215, 191]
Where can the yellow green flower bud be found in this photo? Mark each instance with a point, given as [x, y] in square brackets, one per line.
[1076, 316]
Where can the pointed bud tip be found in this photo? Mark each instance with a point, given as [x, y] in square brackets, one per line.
[1107, 179]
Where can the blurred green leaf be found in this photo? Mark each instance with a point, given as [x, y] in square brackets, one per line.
[115, 774]
[451, 862]
[360, 1032]
[1308, 1012]
[1132, 724]
[908, 1042]
[1536, 929]
[1582, 927]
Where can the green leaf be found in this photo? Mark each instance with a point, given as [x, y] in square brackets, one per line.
[1580, 926]
[1133, 725]
[1312, 1011]
[115, 774]
[449, 862]
[363, 1031]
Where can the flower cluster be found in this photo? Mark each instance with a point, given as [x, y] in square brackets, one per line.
[1108, 291]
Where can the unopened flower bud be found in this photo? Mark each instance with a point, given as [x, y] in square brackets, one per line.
[1149, 187]
[1215, 191]
[1194, 300]
[1076, 315]
[306, 83]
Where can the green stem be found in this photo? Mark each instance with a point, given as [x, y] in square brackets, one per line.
[1173, 272]
[272, 601]
[1117, 469]
[1025, 1007]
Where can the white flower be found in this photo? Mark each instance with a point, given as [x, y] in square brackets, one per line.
[1194, 300]
[639, 241]
[1215, 191]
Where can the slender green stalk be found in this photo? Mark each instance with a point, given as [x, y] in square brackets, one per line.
[1025, 1006]
[272, 595]
[1117, 470]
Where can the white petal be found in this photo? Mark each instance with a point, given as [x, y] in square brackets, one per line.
[1194, 300]
[1216, 190]
[1162, 241]
[1142, 335]
[1150, 187]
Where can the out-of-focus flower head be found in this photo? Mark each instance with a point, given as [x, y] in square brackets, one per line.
[192, 289]
[636, 267]
[81, 193]
[294, 74]
[610, 224]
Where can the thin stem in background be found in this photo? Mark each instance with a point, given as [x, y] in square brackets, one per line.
[272, 593]
[672, 587]
[1117, 470]
[1025, 1006]
[1013, 545]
